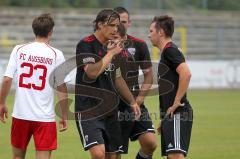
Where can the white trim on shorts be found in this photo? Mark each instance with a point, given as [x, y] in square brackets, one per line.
[176, 150]
[177, 136]
[81, 131]
[144, 132]
[117, 151]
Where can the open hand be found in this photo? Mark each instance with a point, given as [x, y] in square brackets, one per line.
[136, 109]
[172, 109]
[3, 113]
[114, 47]
[63, 125]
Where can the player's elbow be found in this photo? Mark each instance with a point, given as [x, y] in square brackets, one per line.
[92, 75]
[189, 75]
[149, 77]
[186, 76]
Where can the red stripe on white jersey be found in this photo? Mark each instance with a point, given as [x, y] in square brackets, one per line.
[52, 50]
[24, 45]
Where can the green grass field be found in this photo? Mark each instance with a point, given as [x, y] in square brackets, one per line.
[216, 130]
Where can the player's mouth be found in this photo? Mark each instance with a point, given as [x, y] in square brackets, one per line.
[113, 36]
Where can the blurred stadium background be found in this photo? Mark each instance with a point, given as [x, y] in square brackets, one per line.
[207, 31]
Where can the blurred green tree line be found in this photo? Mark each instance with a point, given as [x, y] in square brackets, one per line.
[135, 4]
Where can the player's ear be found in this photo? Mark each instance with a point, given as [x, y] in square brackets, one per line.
[161, 32]
[100, 25]
[129, 22]
[50, 33]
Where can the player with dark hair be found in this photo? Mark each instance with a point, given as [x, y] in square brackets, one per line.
[33, 114]
[176, 112]
[101, 135]
[137, 57]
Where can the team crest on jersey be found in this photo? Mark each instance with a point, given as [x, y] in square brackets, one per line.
[111, 67]
[132, 51]
[180, 50]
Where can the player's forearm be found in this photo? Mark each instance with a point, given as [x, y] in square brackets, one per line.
[147, 83]
[124, 91]
[6, 85]
[94, 70]
[184, 80]
[63, 98]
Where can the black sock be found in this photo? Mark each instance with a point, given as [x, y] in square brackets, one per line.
[141, 155]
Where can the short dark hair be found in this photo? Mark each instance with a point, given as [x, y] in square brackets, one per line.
[121, 30]
[105, 15]
[42, 25]
[121, 10]
[166, 23]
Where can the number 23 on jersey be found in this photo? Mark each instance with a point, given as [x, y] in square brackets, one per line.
[32, 70]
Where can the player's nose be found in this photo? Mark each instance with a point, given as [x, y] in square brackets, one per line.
[149, 36]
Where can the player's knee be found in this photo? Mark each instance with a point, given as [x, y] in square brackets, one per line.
[18, 157]
[150, 145]
[17, 154]
[98, 155]
[112, 156]
[175, 156]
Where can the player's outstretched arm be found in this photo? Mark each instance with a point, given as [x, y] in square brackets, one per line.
[124, 92]
[63, 98]
[5, 88]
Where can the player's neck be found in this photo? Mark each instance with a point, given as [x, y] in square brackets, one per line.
[100, 37]
[42, 39]
[163, 43]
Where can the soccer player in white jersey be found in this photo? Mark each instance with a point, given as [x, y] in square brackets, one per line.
[33, 114]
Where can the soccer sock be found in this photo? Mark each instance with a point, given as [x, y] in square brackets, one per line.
[141, 155]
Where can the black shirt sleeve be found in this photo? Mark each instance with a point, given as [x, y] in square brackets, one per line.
[174, 57]
[144, 56]
[83, 47]
[84, 54]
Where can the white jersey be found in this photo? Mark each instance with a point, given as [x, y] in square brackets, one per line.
[31, 64]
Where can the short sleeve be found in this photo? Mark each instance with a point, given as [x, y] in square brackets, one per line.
[174, 57]
[60, 60]
[12, 64]
[84, 54]
[144, 57]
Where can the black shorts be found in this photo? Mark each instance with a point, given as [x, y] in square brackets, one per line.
[105, 131]
[176, 133]
[132, 129]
